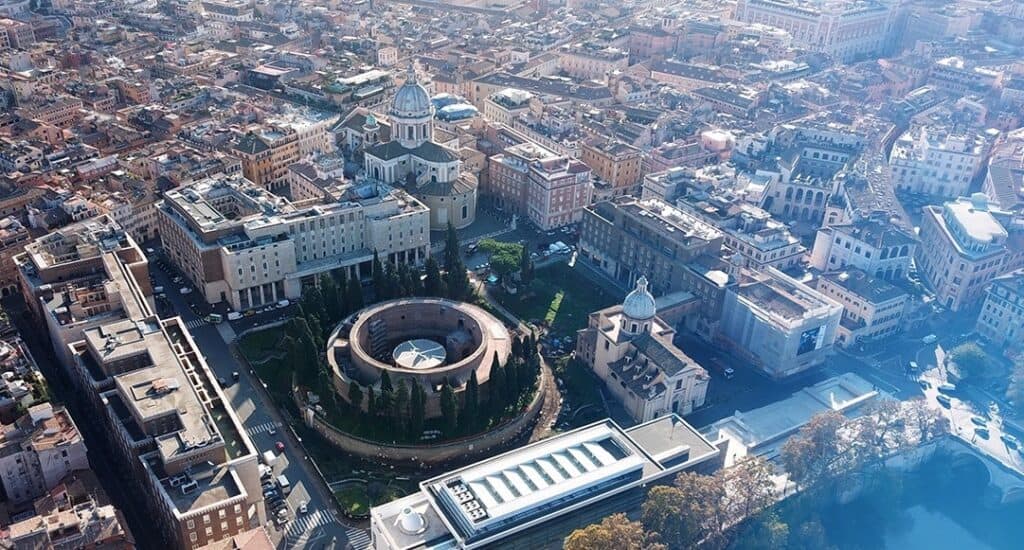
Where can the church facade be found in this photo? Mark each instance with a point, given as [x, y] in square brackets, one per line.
[630, 349]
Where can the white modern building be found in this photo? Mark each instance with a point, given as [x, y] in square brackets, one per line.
[535, 495]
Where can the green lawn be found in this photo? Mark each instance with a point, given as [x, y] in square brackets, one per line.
[559, 297]
[353, 499]
[581, 389]
[257, 345]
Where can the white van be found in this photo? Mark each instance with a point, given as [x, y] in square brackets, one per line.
[234, 316]
[269, 458]
[283, 483]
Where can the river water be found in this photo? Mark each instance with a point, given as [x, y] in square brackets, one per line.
[938, 507]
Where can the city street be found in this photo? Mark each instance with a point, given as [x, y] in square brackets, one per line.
[319, 527]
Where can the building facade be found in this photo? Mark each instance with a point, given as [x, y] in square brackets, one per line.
[934, 164]
[964, 245]
[614, 163]
[38, 451]
[873, 308]
[628, 238]
[1002, 316]
[240, 244]
[873, 246]
[843, 30]
[780, 325]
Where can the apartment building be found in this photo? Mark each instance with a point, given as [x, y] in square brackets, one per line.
[557, 191]
[74, 515]
[1002, 316]
[269, 149]
[759, 240]
[615, 163]
[65, 279]
[840, 29]
[16, 34]
[509, 175]
[873, 308]
[161, 411]
[933, 162]
[779, 324]
[965, 244]
[627, 238]
[238, 243]
[61, 111]
[39, 450]
[591, 63]
[13, 236]
[503, 107]
[871, 245]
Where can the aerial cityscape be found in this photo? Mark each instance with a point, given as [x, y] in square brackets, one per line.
[511, 274]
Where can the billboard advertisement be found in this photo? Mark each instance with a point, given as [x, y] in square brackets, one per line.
[810, 340]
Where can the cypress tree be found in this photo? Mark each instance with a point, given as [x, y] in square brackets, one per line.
[354, 295]
[470, 416]
[400, 406]
[371, 402]
[496, 391]
[449, 409]
[433, 285]
[385, 382]
[332, 299]
[355, 395]
[417, 411]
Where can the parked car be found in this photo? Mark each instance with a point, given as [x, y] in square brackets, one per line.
[1010, 441]
[947, 387]
[982, 432]
[930, 339]
[979, 420]
[279, 446]
[944, 399]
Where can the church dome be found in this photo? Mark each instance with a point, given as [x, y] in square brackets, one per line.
[639, 304]
[412, 99]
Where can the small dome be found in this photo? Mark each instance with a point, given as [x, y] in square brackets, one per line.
[412, 99]
[411, 522]
[639, 304]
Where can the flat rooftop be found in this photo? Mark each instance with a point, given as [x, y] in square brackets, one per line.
[486, 502]
[760, 430]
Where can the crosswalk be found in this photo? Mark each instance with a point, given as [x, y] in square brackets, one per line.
[304, 528]
[195, 323]
[262, 428]
[358, 538]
